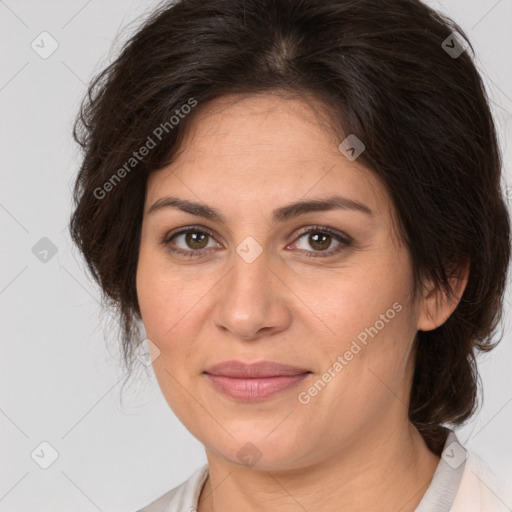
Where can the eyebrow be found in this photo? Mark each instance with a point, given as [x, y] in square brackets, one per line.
[278, 215]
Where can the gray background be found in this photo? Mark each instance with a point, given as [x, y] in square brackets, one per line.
[61, 381]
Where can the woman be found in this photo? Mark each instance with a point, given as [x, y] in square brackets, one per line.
[300, 200]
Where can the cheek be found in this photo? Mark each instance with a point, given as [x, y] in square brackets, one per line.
[170, 305]
[368, 315]
[354, 303]
[157, 297]
[164, 303]
[151, 294]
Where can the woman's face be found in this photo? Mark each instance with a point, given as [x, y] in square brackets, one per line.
[268, 283]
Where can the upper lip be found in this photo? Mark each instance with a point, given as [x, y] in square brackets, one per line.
[238, 369]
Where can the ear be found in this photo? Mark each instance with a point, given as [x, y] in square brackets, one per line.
[435, 306]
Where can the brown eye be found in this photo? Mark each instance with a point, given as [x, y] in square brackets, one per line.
[317, 240]
[321, 240]
[190, 242]
[196, 240]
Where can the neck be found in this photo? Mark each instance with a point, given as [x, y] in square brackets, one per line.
[391, 471]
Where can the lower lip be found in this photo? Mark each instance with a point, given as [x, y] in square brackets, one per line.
[254, 389]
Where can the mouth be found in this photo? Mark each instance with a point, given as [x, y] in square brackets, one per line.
[254, 389]
[255, 381]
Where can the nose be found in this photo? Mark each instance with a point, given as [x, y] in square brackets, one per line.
[252, 300]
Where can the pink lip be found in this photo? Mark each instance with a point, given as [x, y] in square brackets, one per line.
[238, 369]
[256, 381]
[255, 388]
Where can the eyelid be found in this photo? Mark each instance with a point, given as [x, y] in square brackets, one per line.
[186, 229]
[325, 229]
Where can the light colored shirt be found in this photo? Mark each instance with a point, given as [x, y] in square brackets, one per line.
[462, 482]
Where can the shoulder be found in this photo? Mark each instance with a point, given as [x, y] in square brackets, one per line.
[480, 490]
[182, 498]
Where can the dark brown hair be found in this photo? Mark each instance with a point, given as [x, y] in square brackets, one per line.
[384, 72]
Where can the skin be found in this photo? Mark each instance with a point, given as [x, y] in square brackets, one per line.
[352, 446]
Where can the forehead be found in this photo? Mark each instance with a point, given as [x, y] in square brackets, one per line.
[264, 121]
[243, 149]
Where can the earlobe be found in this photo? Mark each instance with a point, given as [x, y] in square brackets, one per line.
[436, 306]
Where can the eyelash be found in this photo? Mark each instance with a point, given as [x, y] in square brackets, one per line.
[344, 240]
